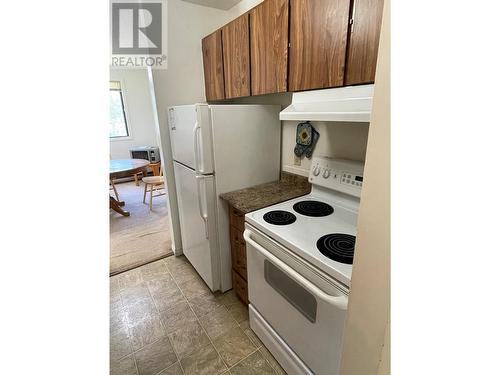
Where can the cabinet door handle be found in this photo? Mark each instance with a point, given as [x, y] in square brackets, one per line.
[351, 21]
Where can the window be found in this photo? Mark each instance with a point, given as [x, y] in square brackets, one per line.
[117, 119]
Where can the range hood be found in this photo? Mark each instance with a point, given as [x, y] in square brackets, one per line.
[345, 104]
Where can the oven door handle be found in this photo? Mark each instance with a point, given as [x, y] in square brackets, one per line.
[339, 302]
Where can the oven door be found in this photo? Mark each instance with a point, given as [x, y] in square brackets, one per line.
[303, 306]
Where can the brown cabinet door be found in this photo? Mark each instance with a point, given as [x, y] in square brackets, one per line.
[236, 51]
[363, 41]
[240, 287]
[318, 39]
[237, 218]
[212, 66]
[269, 47]
[238, 252]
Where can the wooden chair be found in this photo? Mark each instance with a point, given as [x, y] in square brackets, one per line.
[136, 178]
[155, 182]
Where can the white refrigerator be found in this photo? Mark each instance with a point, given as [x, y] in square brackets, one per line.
[217, 149]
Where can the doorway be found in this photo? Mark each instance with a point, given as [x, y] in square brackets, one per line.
[144, 236]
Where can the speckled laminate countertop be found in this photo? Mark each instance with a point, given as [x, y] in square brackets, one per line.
[256, 197]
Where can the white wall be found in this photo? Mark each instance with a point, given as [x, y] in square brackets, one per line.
[367, 336]
[182, 82]
[240, 8]
[220, 4]
[140, 120]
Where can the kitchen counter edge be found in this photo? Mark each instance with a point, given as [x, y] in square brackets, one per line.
[250, 199]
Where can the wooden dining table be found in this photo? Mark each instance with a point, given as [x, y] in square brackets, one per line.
[120, 168]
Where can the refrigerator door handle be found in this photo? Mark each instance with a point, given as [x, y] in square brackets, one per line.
[203, 214]
[196, 131]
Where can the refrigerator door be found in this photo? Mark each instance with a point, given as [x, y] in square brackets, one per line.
[196, 199]
[191, 137]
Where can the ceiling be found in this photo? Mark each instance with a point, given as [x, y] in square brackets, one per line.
[219, 4]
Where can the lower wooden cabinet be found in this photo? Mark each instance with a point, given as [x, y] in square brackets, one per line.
[238, 253]
[240, 287]
[237, 219]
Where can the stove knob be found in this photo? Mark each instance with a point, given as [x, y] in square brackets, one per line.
[326, 173]
[316, 171]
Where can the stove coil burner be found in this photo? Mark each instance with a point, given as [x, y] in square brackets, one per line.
[337, 246]
[313, 208]
[279, 217]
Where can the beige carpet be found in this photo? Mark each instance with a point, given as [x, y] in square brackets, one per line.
[142, 237]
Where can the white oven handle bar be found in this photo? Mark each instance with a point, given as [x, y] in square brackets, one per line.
[339, 302]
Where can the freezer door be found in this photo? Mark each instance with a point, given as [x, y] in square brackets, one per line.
[191, 136]
[182, 120]
[196, 199]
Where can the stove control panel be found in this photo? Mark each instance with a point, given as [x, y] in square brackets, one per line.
[337, 174]
[351, 179]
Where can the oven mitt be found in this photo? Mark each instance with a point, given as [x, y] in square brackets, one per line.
[305, 140]
[310, 149]
[299, 150]
[304, 134]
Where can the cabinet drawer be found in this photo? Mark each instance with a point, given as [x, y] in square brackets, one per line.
[237, 219]
[238, 252]
[240, 287]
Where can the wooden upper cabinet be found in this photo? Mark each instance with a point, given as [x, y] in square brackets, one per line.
[363, 41]
[236, 51]
[318, 38]
[269, 47]
[212, 66]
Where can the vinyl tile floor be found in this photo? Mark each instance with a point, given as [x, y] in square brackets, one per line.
[164, 320]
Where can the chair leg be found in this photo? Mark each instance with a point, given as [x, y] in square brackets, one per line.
[145, 190]
[114, 189]
[151, 198]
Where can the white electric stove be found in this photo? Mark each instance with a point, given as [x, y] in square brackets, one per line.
[299, 262]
